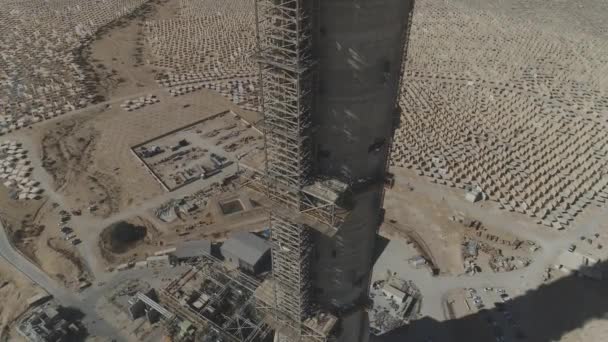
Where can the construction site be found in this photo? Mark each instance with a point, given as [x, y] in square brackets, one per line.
[221, 300]
[192, 123]
[199, 151]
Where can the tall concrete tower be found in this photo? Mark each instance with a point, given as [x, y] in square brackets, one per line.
[330, 77]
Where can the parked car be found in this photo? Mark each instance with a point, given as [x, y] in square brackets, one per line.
[76, 242]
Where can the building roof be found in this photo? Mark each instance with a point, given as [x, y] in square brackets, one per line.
[157, 258]
[50, 312]
[394, 292]
[246, 246]
[192, 249]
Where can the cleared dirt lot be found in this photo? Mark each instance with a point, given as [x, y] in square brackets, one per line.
[89, 154]
[418, 212]
[425, 213]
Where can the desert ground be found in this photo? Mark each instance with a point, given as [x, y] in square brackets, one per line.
[493, 104]
[83, 160]
[506, 96]
[101, 140]
[86, 162]
[15, 289]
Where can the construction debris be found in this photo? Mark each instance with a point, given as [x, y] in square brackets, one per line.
[396, 302]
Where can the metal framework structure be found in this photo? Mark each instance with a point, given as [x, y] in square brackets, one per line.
[286, 77]
[291, 272]
[154, 305]
[288, 41]
[287, 80]
[319, 205]
[245, 321]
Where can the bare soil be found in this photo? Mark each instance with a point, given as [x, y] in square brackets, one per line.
[19, 217]
[15, 289]
[89, 156]
[32, 225]
[416, 216]
[56, 256]
[115, 59]
[67, 150]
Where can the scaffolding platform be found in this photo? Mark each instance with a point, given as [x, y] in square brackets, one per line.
[318, 205]
[317, 327]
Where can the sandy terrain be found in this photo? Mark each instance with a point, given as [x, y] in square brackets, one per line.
[33, 227]
[117, 53]
[416, 211]
[89, 154]
[15, 289]
[40, 44]
[424, 212]
[46, 247]
[208, 223]
[86, 156]
[19, 216]
[540, 63]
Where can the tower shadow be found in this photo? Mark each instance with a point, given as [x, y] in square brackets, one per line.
[545, 314]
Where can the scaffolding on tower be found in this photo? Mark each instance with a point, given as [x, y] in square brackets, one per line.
[299, 203]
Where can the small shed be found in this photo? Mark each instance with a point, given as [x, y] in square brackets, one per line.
[247, 251]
